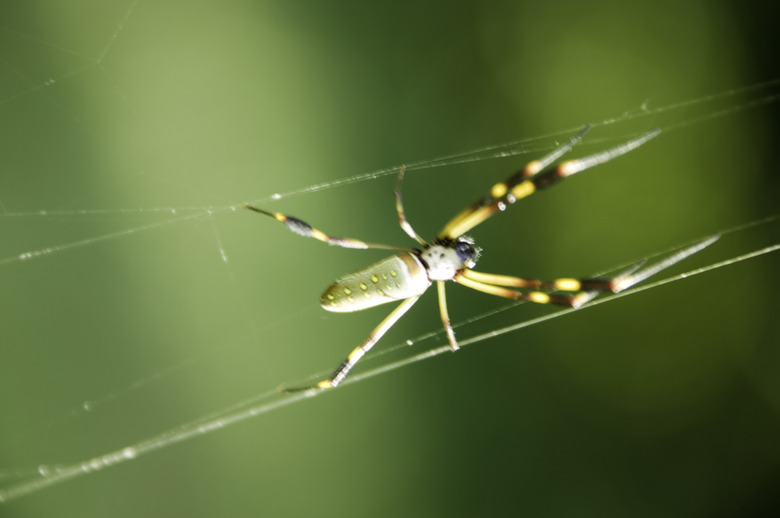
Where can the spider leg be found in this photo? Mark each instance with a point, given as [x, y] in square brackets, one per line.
[302, 228]
[536, 166]
[584, 289]
[629, 279]
[399, 207]
[531, 179]
[346, 366]
[531, 168]
[496, 285]
[445, 317]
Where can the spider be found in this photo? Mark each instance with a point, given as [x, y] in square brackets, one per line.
[451, 256]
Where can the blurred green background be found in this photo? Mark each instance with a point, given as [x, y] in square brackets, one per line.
[154, 118]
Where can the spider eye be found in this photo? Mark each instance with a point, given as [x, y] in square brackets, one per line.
[467, 252]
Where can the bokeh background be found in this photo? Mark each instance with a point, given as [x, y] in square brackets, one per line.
[129, 130]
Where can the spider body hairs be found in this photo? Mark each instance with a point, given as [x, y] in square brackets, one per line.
[451, 256]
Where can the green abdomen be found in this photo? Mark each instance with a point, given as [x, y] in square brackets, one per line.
[394, 278]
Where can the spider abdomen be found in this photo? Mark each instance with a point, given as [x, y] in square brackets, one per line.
[394, 278]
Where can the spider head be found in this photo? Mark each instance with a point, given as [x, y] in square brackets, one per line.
[446, 257]
[467, 252]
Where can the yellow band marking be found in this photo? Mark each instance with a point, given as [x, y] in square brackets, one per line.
[568, 284]
[318, 234]
[569, 168]
[355, 355]
[533, 167]
[538, 296]
[523, 189]
[498, 190]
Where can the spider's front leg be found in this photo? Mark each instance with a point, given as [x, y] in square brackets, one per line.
[537, 175]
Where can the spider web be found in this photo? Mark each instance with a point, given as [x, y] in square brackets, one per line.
[144, 308]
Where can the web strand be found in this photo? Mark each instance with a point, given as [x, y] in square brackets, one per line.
[270, 401]
[642, 117]
[143, 308]
[513, 148]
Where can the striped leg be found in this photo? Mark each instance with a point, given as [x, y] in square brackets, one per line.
[531, 169]
[583, 290]
[501, 286]
[346, 366]
[297, 226]
[531, 179]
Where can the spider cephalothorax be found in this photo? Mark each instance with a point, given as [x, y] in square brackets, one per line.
[446, 257]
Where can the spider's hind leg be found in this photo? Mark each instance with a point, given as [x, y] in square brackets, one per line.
[300, 227]
[347, 365]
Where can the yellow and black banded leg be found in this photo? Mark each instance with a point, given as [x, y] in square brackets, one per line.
[582, 290]
[532, 179]
[500, 285]
[535, 167]
[531, 168]
[297, 226]
[347, 365]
